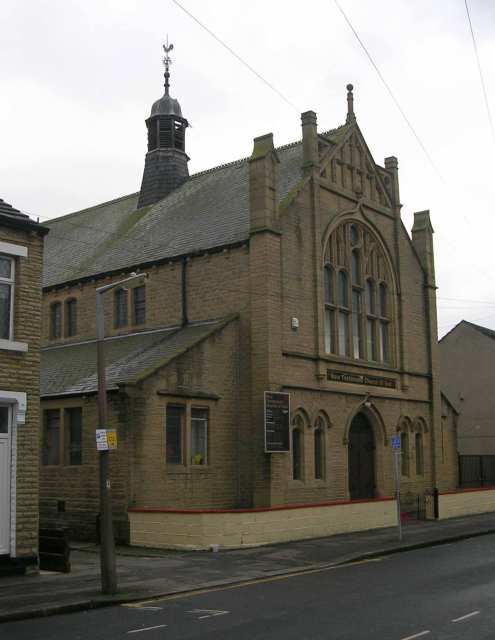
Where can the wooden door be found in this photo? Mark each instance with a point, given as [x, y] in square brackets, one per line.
[361, 459]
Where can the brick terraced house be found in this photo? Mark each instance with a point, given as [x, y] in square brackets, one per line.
[287, 271]
[21, 264]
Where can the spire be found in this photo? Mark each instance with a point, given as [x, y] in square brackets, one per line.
[350, 105]
[167, 62]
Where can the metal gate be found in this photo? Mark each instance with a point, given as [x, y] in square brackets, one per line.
[476, 471]
[422, 506]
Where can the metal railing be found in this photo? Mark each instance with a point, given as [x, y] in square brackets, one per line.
[476, 471]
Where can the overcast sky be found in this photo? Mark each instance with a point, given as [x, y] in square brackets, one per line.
[78, 79]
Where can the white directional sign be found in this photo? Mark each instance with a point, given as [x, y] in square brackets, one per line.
[106, 439]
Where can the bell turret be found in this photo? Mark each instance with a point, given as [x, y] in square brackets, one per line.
[165, 166]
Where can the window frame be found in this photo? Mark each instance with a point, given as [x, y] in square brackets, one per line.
[319, 460]
[330, 306]
[10, 282]
[181, 457]
[135, 302]
[70, 323]
[297, 435]
[64, 436]
[405, 448]
[55, 332]
[68, 412]
[358, 322]
[297, 469]
[206, 421]
[121, 293]
[45, 451]
[419, 453]
[188, 407]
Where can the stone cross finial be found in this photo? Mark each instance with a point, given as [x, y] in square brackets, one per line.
[350, 105]
[167, 62]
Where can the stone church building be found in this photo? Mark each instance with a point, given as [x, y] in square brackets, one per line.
[289, 271]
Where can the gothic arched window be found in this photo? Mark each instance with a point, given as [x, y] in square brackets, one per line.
[319, 449]
[297, 447]
[358, 304]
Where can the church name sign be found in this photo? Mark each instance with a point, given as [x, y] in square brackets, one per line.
[360, 378]
[277, 422]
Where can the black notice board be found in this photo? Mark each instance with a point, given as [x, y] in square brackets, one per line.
[277, 421]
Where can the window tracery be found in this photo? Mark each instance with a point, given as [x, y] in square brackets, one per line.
[358, 309]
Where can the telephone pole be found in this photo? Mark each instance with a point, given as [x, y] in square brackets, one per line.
[107, 542]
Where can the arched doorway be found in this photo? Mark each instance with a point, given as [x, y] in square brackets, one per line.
[361, 459]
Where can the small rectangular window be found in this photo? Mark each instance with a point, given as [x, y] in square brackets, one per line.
[120, 308]
[73, 439]
[139, 305]
[6, 297]
[56, 320]
[174, 434]
[51, 439]
[199, 436]
[71, 318]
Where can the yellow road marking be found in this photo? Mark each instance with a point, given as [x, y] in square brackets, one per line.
[247, 583]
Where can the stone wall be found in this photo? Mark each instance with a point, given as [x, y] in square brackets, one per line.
[254, 527]
[69, 494]
[465, 502]
[19, 372]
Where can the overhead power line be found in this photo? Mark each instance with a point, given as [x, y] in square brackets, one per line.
[237, 56]
[483, 86]
[391, 93]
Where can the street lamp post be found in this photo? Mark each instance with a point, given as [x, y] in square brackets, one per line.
[107, 548]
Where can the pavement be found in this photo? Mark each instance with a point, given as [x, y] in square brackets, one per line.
[152, 573]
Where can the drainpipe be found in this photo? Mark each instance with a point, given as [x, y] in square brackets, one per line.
[184, 291]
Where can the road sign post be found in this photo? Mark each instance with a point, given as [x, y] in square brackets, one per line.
[396, 453]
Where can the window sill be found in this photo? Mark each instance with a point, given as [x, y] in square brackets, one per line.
[180, 470]
[296, 483]
[10, 345]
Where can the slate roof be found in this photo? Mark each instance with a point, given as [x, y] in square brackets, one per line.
[12, 217]
[484, 330]
[209, 210]
[71, 369]
[8, 209]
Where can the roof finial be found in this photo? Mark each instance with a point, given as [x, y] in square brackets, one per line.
[350, 105]
[167, 62]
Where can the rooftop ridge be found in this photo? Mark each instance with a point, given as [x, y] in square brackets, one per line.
[282, 147]
[198, 174]
[240, 160]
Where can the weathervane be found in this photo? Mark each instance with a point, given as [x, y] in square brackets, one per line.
[167, 62]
